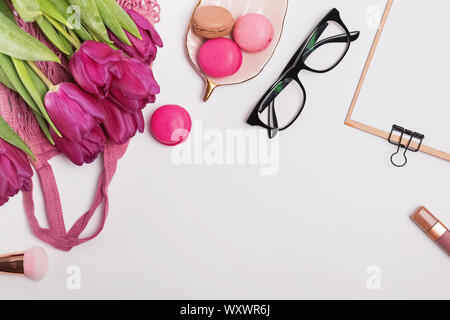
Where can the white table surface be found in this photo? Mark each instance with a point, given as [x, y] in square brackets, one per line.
[335, 207]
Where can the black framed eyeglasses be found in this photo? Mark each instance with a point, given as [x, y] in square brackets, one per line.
[323, 50]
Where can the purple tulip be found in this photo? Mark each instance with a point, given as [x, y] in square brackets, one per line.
[106, 72]
[133, 85]
[83, 151]
[91, 67]
[15, 171]
[77, 115]
[119, 125]
[144, 50]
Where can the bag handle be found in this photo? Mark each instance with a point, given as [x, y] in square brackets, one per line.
[56, 234]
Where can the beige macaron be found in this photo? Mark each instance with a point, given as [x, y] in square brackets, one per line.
[212, 22]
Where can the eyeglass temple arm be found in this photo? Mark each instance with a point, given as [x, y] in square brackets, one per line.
[335, 39]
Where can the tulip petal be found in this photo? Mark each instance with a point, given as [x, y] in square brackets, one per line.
[143, 23]
[69, 148]
[139, 120]
[121, 126]
[15, 171]
[100, 52]
[126, 104]
[86, 101]
[144, 47]
[58, 107]
[138, 82]
[86, 151]
[75, 112]
[93, 144]
[79, 73]
[127, 49]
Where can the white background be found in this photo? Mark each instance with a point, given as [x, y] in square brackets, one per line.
[336, 206]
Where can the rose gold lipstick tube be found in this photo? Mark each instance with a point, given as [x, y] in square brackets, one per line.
[12, 263]
[432, 227]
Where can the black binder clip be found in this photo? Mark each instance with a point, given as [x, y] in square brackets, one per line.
[414, 136]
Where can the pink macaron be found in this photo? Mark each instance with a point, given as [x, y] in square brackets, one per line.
[220, 58]
[171, 125]
[253, 32]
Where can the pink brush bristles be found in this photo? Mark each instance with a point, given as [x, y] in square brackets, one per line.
[35, 263]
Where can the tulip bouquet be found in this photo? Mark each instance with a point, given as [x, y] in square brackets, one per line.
[109, 52]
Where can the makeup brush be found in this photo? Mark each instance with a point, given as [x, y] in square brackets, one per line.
[33, 263]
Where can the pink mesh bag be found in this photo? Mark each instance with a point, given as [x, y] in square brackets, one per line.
[16, 113]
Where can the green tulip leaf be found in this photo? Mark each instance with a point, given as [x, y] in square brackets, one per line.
[123, 17]
[42, 90]
[8, 67]
[6, 10]
[19, 44]
[66, 44]
[52, 35]
[48, 7]
[91, 18]
[73, 16]
[49, 19]
[10, 136]
[83, 33]
[28, 10]
[61, 29]
[24, 75]
[32, 10]
[44, 126]
[5, 80]
[62, 9]
[60, 6]
[40, 86]
[111, 22]
[22, 72]
[41, 121]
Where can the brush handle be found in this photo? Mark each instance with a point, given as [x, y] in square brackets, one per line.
[12, 264]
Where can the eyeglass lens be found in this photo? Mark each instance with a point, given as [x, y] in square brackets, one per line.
[288, 99]
[326, 47]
